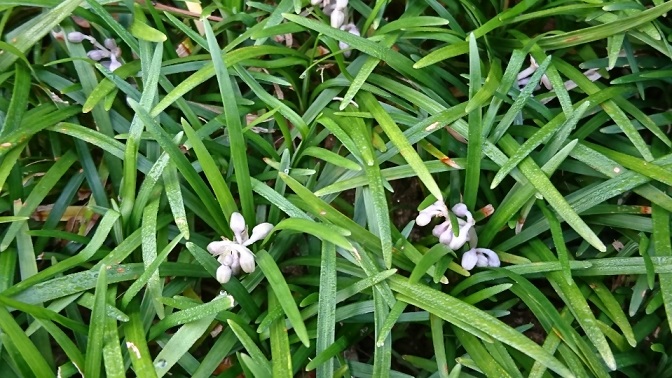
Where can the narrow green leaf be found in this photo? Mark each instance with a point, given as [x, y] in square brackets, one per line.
[326, 323]
[399, 140]
[136, 344]
[234, 128]
[212, 172]
[257, 356]
[37, 195]
[141, 30]
[473, 320]
[553, 196]
[541, 136]
[184, 339]
[281, 361]
[32, 31]
[94, 346]
[279, 286]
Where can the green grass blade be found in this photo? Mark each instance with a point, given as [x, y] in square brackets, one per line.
[326, 323]
[284, 295]
[399, 140]
[94, 346]
[233, 126]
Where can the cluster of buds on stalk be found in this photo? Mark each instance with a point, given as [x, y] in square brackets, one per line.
[525, 75]
[234, 255]
[338, 13]
[335, 9]
[480, 257]
[108, 50]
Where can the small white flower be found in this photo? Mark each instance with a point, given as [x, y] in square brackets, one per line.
[437, 209]
[341, 4]
[444, 231]
[337, 18]
[109, 50]
[480, 257]
[223, 273]
[525, 75]
[234, 255]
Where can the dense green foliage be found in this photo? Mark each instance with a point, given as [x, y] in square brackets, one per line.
[132, 131]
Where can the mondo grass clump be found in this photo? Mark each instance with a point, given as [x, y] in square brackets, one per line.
[335, 188]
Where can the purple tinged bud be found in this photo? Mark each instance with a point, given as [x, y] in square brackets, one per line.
[110, 43]
[76, 37]
[98, 54]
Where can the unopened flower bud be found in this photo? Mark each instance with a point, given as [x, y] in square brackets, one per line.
[110, 43]
[98, 54]
[223, 274]
[76, 37]
[247, 262]
[337, 18]
[341, 4]
[114, 63]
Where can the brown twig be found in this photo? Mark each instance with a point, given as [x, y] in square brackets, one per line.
[168, 8]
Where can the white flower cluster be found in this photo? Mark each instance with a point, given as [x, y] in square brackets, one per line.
[234, 254]
[108, 50]
[336, 9]
[338, 13]
[480, 257]
[525, 75]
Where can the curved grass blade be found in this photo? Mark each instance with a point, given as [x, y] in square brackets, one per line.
[94, 346]
[279, 286]
[399, 140]
[233, 126]
[473, 320]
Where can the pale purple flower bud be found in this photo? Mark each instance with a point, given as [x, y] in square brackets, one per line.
[259, 232]
[337, 18]
[237, 224]
[76, 37]
[247, 261]
[469, 259]
[441, 228]
[226, 259]
[460, 210]
[114, 63]
[235, 264]
[328, 9]
[344, 46]
[341, 4]
[458, 241]
[493, 258]
[525, 74]
[482, 260]
[110, 43]
[98, 54]
[546, 82]
[423, 219]
[223, 274]
[218, 247]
